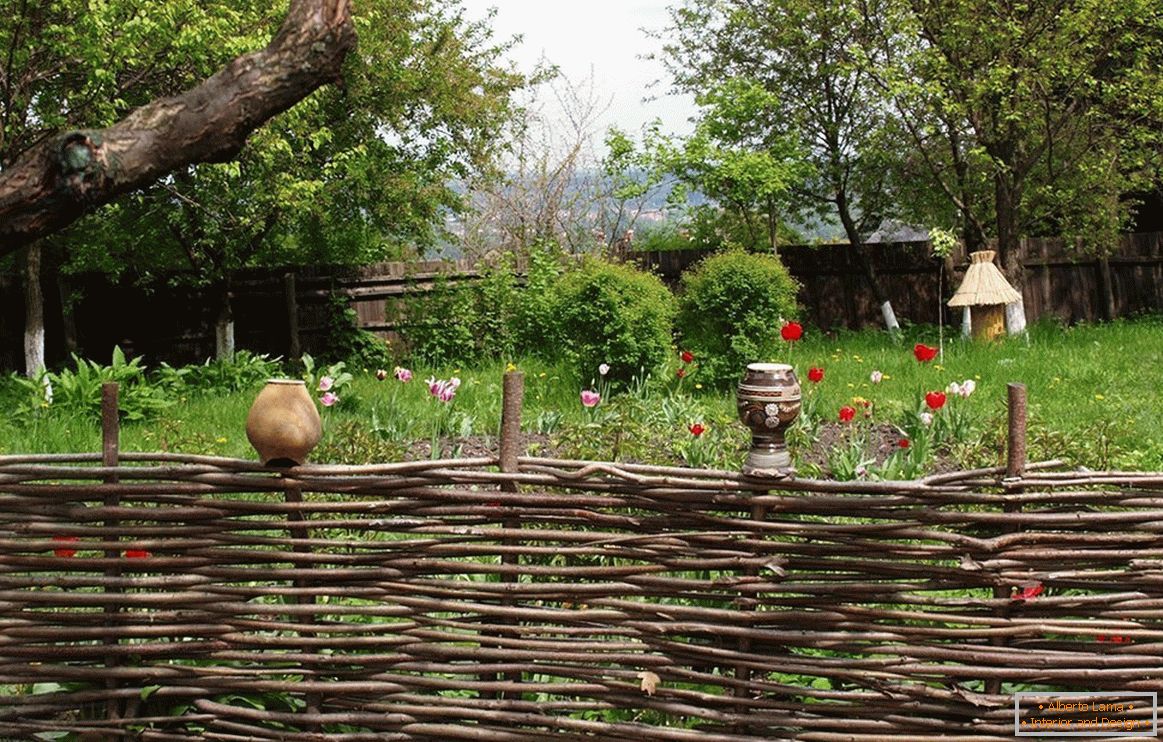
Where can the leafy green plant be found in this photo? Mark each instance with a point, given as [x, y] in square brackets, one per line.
[244, 371]
[729, 311]
[849, 459]
[327, 382]
[78, 389]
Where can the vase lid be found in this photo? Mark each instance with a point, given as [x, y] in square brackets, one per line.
[768, 367]
[289, 382]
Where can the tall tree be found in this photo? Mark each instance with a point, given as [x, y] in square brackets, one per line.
[799, 51]
[349, 175]
[1054, 107]
[65, 171]
[70, 69]
[740, 157]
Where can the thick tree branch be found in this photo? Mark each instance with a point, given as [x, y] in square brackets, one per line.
[55, 183]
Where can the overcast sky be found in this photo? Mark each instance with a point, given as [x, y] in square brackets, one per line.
[602, 37]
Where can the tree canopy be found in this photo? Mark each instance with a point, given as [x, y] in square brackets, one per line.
[352, 174]
[1013, 118]
[61, 86]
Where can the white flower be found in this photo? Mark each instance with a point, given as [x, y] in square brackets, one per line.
[967, 387]
[926, 418]
[876, 377]
[47, 389]
[953, 388]
[604, 369]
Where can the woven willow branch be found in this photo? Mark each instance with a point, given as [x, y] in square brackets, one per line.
[566, 600]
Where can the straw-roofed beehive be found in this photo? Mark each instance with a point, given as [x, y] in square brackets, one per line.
[986, 292]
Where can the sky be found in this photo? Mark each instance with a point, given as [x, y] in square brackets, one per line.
[602, 38]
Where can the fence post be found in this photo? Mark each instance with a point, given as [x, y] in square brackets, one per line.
[110, 454]
[512, 398]
[743, 671]
[1016, 442]
[1016, 412]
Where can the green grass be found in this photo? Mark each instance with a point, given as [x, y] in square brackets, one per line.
[1093, 394]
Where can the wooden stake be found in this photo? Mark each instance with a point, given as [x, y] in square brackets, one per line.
[110, 453]
[1016, 442]
[512, 398]
[1015, 469]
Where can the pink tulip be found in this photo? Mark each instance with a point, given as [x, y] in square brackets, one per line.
[328, 399]
[441, 389]
[590, 398]
[325, 383]
[403, 374]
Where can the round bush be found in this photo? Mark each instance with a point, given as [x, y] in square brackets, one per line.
[610, 313]
[729, 311]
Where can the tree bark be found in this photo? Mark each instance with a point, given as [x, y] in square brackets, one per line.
[1006, 196]
[224, 324]
[857, 242]
[54, 184]
[33, 314]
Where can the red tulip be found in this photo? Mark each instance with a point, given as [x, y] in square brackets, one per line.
[680, 373]
[686, 356]
[815, 374]
[791, 331]
[1029, 592]
[65, 552]
[847, 414]
[903, 443]
[935, 400]
[1114, 638]
[137, 554]
[697, 429]
[924, 352]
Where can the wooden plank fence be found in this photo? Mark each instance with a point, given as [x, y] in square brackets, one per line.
[280, 311]
[166, 597]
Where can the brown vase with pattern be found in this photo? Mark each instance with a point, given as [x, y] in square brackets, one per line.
[283, 424]
[768, 399]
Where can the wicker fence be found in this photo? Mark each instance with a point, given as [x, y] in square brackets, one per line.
[167, 597]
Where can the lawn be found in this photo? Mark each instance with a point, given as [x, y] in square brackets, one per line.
[1093, 392]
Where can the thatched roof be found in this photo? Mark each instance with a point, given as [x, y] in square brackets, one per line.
[983, 284]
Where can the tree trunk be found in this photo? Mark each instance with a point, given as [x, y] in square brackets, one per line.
[68, 315]
[773, 227]
[224, 325]
[857, 242]
[1009, 248]
[55, 183]
[33, 314]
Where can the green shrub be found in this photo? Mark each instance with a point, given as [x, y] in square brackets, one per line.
[348, 342]
[440, 325]
[730, 310]
[610, 313]
[494, 317]
[534, 308]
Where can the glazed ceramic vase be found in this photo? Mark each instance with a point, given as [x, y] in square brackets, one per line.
[769, 402]
[283, 424]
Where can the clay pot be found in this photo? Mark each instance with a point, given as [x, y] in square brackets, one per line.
[283, 424]
[768, 399]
